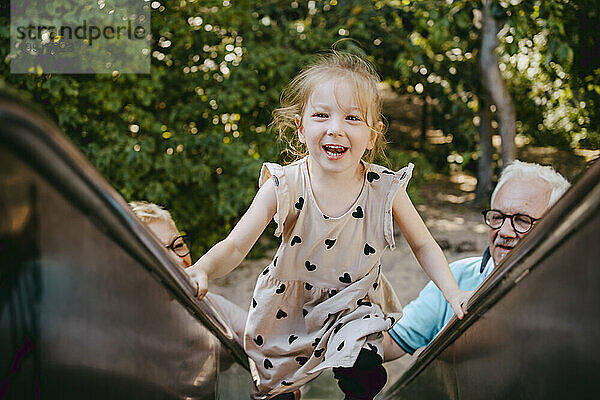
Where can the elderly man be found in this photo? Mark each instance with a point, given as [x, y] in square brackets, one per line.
[523, 194]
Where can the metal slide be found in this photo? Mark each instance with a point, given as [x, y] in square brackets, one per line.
[91, 305]
[533, 327]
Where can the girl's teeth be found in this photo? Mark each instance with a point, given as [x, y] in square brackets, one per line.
[334, 151]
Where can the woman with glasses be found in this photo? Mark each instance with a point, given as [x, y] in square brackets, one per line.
[162, 225]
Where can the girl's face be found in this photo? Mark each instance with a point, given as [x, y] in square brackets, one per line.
[333, 127]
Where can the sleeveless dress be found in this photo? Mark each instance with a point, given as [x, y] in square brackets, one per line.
[323, 297]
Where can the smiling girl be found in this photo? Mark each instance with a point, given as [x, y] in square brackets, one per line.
[323, 301]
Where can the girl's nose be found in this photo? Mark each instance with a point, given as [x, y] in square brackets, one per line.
[334, 132]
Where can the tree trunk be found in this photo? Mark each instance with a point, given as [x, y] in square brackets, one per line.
[484, 162]
[494, 85]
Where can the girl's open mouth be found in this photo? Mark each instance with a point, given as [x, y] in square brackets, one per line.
[334, 151]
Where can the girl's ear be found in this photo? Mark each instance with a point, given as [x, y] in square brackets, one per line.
[298, 121]
[377, 130]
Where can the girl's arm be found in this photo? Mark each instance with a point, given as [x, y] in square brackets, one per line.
[428, 253]
[226, 255]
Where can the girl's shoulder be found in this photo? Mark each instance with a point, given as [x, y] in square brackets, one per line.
[281, 174]
[288, 184]
[384, 183]
[384, 176]
[295, 166]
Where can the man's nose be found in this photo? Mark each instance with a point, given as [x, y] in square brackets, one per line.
[506, 229]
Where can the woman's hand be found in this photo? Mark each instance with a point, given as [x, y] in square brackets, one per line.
[458, 301]
[200, 280]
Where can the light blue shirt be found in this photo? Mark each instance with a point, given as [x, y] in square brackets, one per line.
[425, 317]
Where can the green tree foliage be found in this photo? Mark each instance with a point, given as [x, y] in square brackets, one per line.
[434, 46]
[193, 134]
[550, 56]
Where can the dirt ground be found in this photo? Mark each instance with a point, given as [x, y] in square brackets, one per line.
[454, 222]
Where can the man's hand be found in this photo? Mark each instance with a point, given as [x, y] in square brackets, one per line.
[391, 349]
[458, 301]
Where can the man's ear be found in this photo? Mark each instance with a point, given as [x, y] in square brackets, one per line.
[298, 121]
[377, 130]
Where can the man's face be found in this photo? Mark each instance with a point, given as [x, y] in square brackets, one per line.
[517, 196]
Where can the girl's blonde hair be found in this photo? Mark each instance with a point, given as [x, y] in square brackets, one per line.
[330, 66]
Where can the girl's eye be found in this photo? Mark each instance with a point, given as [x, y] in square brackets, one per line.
[320, 115]
[353, 118]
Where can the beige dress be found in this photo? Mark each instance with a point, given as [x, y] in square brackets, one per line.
[323, 297]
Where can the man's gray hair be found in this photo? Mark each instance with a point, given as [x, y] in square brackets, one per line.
[519, 169]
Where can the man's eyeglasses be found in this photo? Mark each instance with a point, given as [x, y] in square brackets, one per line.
[521, 223]
[179, 247]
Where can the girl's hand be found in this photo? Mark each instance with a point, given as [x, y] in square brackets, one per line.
[458, 301]
[200, 280]
[226, 255]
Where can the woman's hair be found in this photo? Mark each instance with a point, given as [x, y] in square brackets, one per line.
[150, 212]
[519, 169]
[330, 66]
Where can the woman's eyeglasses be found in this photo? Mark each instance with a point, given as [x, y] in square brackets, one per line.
[179, 247]
[521, 223]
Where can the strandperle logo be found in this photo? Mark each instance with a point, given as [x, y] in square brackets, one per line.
[80, 36]
[82, 32]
